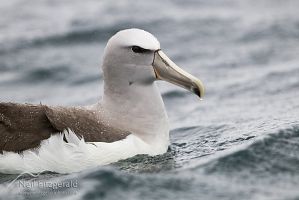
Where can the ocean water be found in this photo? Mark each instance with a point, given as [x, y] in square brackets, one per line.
[240, 142]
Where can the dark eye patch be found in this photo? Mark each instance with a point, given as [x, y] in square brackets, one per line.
[137, 49]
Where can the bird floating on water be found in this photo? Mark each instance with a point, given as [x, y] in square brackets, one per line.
[129, 120]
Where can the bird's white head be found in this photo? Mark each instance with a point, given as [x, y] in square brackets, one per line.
[134, 56]
[128, 58]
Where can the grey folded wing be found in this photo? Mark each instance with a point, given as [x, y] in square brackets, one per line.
[24, 126]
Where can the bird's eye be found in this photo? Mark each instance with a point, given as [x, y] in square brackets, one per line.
[137, 49]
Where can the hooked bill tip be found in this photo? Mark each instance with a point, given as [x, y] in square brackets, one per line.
[197, 92]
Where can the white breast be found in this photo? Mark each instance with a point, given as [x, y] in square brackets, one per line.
[58, 156]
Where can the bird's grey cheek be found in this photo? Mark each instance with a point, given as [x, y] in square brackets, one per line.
[147, 59]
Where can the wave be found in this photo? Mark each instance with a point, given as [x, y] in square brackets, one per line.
[263, 83]
[67, 38]
[276, 30]
[90, 34]
[276, 153]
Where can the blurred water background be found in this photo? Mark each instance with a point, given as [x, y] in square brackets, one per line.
[241, 142]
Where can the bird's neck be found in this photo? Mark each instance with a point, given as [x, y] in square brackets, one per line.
[138, 107]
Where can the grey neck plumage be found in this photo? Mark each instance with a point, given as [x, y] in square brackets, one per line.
[136, 106]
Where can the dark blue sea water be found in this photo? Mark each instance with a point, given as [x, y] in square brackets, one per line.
[240, 142]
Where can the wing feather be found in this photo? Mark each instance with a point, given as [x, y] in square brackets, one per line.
[24, 126]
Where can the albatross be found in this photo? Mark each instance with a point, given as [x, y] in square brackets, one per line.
[129, 120]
